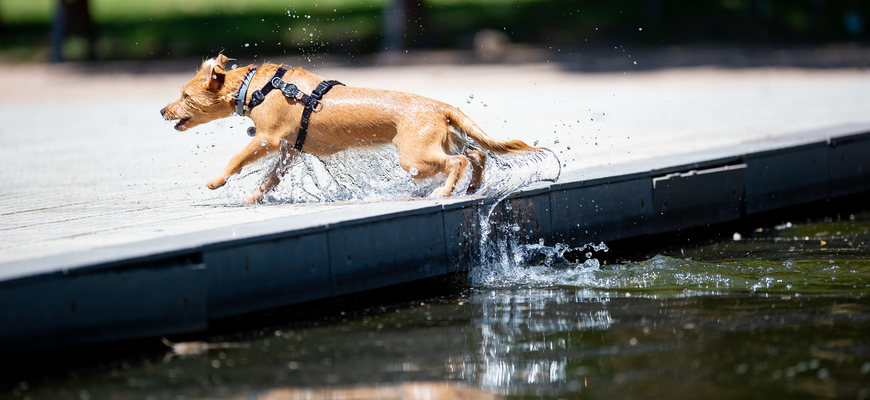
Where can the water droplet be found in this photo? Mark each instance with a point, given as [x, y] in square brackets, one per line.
[263, 143]
[413, 171]
[640, 29]
[635, 63]
[247, 44]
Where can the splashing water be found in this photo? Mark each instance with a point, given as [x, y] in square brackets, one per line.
[374, 174]
[504, 262]
[505, 174]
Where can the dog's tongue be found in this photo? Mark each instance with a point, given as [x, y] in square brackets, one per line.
[181, 123]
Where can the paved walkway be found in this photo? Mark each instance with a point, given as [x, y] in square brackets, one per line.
[88, 162]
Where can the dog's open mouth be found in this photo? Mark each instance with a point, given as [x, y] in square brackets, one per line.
[180, 125]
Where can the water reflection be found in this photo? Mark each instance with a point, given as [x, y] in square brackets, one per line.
[406, 391]
[530, 322]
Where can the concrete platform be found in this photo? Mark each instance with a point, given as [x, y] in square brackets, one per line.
[107, 232]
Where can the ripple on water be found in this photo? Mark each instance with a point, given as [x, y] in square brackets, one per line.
[661, 273]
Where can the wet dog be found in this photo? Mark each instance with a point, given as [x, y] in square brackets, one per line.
[431, 136]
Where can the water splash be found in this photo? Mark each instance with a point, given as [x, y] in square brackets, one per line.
[374, 174]
[505, 174]
[504, 261]
[371, 174]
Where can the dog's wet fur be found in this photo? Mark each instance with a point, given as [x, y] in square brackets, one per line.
[430, 135]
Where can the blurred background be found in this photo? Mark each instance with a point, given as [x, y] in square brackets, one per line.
[488, 30]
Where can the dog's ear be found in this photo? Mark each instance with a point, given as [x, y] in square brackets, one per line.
[214, 72]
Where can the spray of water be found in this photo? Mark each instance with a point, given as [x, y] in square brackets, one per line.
[503, 260]
[374, 174]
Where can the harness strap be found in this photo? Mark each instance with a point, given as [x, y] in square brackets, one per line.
[312, 102]
[259, 95]
[316, 95]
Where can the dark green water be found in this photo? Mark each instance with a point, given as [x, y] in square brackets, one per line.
[782, 313]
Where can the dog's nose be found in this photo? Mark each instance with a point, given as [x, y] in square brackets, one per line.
[162, 112]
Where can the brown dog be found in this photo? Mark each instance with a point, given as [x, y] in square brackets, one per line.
[427, 133]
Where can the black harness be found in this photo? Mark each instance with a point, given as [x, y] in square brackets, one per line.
[312, 102]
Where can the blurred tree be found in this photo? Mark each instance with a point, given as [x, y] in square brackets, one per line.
[404, 25]
[72, 17]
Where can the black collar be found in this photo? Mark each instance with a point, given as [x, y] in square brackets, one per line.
[243, 91]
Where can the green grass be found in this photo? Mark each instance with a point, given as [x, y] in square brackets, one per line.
[166, 29]
[40, 11]
[160, 29]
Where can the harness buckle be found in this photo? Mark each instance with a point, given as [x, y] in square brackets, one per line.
[256, 98]
[317, 106]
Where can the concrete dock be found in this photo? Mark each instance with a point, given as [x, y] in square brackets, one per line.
[107, 232]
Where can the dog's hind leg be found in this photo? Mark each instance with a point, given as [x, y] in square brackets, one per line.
[478, 163]
[454, 166]
[423, 154]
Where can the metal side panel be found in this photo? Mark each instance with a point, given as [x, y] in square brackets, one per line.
[110, 305]
[461, 235]
[272, 273]
[600, 212]
[527, 216]
[849, 166]
[385, 252]
[697, 198]
[532, 214]
[786, 177]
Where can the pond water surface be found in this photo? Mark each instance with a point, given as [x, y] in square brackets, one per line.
[779, 312]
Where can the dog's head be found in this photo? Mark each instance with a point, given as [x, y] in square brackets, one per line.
[205, 98]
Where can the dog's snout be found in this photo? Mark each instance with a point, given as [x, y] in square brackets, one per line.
[163, 112]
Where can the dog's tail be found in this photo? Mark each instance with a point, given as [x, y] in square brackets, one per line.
[457, 119]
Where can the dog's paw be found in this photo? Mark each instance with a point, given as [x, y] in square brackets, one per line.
[254, 198]
[441, 192]
[215, 183]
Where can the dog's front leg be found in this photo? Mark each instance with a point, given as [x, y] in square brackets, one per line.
[257, 149]
[285, 160]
